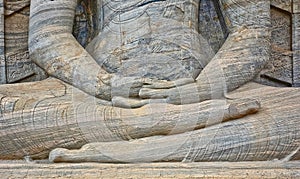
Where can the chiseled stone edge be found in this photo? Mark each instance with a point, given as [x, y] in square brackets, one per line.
[296, 43]
[273, 169]
[2, 45]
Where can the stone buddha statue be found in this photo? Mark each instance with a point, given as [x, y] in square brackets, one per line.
[148, 87]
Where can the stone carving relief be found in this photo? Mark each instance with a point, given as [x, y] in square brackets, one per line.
[166, 80]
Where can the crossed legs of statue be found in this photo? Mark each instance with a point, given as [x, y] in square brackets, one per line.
[63, 117]
[272, 133]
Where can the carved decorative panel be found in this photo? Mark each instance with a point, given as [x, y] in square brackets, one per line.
[17, 66]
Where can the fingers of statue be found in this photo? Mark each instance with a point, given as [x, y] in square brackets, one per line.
[134, 92]
[163, 84]
[145, 91]
[239, 108]
[185, 93]
[159, 89]
[148, 93]
[223, 110]
[123, 102]
[131, 86]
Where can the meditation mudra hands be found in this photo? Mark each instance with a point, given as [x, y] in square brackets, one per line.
[132, 92]
[128, 93]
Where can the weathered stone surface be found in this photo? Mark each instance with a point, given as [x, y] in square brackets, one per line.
[19, 67]
[282, 69]
[296, 50]
[154, 170]
[41, 94]
[12, 6]
[285, 5]
[72, 132]
[212, 24]
[279, 70]
[2, 46]
[296, 6]
[87, 23]
[219, 116]
[163, 32]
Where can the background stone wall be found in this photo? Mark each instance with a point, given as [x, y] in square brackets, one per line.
[16, 65]
[212, 24]
[296, 42]
[283, 68]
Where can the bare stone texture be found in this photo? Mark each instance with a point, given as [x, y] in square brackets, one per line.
[2, 46]
[285, 5]
[154, 170]
[296, 49]
[87, 23]
[219, 114]
[163, 32]
[296, 6]
[19, 67]
[279, 69]
[211, 24]
[43, 45]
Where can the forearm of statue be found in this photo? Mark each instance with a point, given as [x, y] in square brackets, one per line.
[234, 66]
[246, 50]
[53, 47]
